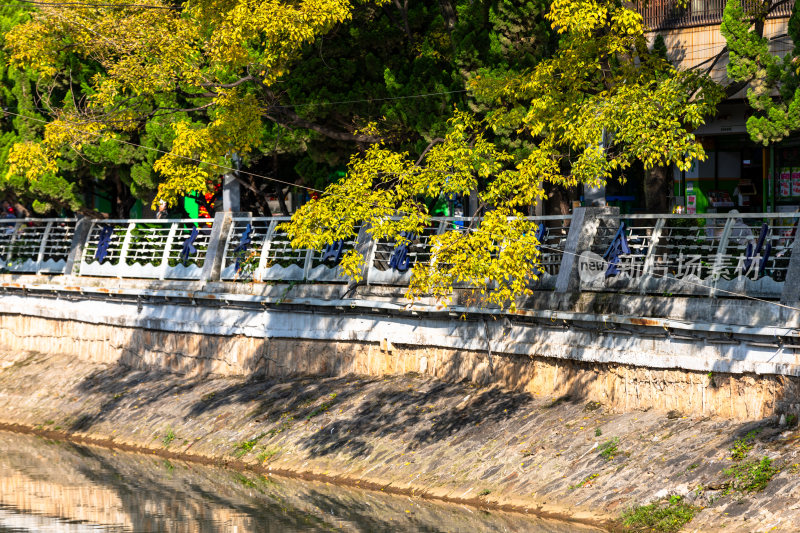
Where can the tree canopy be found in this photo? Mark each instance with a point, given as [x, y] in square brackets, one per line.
[601, 102]
[284, 85]
[195, 79]
[752, 64]
[414, 102]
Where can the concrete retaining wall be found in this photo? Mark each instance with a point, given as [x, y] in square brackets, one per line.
[542, 371]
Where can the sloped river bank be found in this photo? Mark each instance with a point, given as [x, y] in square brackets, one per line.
[58, 486]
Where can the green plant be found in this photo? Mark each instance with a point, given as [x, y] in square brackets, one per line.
[741, 447]
[244, 480]
[266, 455]
[609, 448]
[666, 517]
[247, 446]
[247, 262]
[751, 476]
[587, 480]
[484, 492]
[324, 406]
[791, 420]
[168, 437]
[598, 432]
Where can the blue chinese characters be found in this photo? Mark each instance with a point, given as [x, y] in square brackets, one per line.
[103, 242]
[400, 259]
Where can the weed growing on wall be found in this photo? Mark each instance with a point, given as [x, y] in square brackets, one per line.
[609, 448]
[750, 476]
[662, 517]
[168, 437]
[741, 447]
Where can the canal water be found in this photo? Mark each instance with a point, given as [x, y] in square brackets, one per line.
[63, 487]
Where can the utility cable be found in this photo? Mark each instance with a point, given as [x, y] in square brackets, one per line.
[368, 100]
[165, 152]
[97, 5]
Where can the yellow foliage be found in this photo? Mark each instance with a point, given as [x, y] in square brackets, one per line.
[29, 160]
[599, 104]
[216, 54]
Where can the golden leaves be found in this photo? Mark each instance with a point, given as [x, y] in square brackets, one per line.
[598, 105]
[30, 160]
[174, 61]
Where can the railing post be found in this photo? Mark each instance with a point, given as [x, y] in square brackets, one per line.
[258, 275]
[583, 229]
[365, 246]
[226, 247]
[720, 257]
[212, 265]
[83, 228]
[650, 258]
[14, 235]
[43, 246]
[791, 285]
[307, 263]
[173, 228]
[126, 244]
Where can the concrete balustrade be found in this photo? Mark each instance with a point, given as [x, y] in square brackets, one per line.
[716, 255]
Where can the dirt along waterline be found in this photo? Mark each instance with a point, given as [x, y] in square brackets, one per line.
[496, 449]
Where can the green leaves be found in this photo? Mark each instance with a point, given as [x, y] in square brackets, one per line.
[751, 62]
[601, 103]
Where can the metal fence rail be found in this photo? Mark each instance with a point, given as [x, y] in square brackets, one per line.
[719, 255]
[669, 14]
[256, 249]
[712, 254]
[160, 249]
[40, 245]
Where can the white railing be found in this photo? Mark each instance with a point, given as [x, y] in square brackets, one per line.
[701, 255]
[710, 254]
[160, 249]
[257, 250]
[36, 245]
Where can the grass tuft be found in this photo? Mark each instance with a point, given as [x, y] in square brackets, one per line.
[661, 517]
[750, 476]
[609, 448]
[168, 437]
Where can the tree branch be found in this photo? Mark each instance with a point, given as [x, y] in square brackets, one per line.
[433, 143]
[210, 85]
[288, 118]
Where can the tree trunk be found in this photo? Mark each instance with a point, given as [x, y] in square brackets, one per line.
[656, 189]
[559, 199]
[282, 201]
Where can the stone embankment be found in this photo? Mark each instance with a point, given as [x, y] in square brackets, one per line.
[557, 456]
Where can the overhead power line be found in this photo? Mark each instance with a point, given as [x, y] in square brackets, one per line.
[369, 100]
[97, 5]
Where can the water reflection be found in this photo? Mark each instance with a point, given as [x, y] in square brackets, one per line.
[62, 487]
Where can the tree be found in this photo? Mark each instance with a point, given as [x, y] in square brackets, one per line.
[751, 63]
[195, 78]
[172, 80]
[402, 65]
[601, 103]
